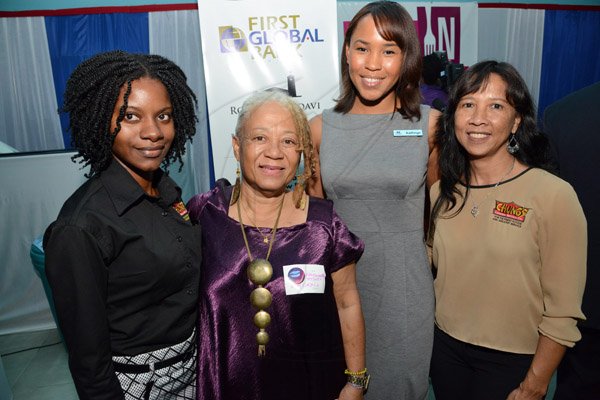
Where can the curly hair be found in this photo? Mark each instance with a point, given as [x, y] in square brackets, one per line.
[534, 146]
[91, 94]
[393, 23]
[302, 130]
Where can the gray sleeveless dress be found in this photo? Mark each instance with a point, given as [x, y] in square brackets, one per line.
[373, 167]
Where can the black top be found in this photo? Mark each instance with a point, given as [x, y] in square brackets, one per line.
[124, 271]
[572, 125]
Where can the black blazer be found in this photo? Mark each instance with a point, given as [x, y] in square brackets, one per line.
[573, 125]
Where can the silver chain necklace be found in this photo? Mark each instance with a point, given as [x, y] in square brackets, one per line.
[475, 208]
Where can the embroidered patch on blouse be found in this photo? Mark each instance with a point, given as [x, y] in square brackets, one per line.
[181, 210]
[510, 213]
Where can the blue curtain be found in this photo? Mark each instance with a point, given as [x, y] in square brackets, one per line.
[72, 39]
[571, 54]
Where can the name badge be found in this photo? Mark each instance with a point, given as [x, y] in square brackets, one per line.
[407, 132]
[304, 278]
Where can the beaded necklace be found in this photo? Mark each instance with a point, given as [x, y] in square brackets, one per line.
[259, 272]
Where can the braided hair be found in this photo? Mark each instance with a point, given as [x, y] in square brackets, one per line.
[91, 94]
[305, 147]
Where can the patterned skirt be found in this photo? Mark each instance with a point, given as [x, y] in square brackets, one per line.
[168, 373]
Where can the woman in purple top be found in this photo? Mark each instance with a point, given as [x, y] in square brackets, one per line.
[290, 326]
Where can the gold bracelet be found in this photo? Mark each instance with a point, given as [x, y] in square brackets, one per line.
[358, 380]
[352, 373]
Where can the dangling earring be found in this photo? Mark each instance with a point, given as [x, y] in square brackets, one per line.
[513, 145]
[235, 195]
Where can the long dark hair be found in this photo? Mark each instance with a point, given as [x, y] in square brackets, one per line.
[534, 147]
[393, 23]
[92, 92]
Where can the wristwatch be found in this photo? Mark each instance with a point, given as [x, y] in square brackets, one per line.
[360, 381]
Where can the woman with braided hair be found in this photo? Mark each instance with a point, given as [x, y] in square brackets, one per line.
[279, 309]
[123, 258]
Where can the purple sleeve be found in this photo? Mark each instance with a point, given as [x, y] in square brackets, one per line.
[347, 247]
[196, 205]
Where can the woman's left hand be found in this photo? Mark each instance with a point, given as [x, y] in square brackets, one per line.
[350, 392]
[545, 361]
[352, 323]
[524, 393]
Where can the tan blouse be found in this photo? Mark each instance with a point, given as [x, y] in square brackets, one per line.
[517, 269]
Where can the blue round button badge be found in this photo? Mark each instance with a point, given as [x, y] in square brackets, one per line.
[296, 275]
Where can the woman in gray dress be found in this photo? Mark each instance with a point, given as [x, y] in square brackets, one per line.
[374, 148]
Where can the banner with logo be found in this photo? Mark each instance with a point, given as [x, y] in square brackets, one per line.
[255, 45]
[445, 27]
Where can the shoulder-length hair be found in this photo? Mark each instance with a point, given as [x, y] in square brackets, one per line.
[93, 89]
[395, 24]
[534, 147]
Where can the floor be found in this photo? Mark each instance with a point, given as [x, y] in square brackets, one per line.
[36, 367]
[35, 364]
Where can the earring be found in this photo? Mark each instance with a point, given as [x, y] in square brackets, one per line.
[513, 145]
[235, 195]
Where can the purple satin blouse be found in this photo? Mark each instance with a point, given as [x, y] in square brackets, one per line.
[305, 356]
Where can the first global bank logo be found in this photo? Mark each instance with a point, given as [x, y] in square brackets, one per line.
[269, 37]
[232, 40]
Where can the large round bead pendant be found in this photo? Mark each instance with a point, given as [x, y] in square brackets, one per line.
[262, 319]
[259, 271]
[262, 337]
[260, 298]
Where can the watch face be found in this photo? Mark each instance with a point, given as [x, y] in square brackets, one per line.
[360, 380]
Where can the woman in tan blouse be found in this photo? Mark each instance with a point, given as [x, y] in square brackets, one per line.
[508, 245]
